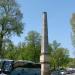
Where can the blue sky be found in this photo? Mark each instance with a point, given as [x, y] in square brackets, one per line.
[59, 14]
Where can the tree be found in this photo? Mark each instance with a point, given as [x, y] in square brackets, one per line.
[10, 21]
[62, 56]
[10, 51]
[54, 46]
[59, 56]
[28, 50]
[33, 45]
[71, 62]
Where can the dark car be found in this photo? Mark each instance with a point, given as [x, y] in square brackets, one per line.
[70, 71]
[26, 71]
[22, 67]
[59, 72]
[56, 73]
[7, 66]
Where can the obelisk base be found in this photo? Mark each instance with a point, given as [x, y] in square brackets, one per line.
[45, 69]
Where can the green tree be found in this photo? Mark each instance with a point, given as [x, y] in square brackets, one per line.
[33, 45]
[62, 56]
[10, 51]
[59, 56]
[10, 21]
[54, 46]
[21, 51]
[71, 62]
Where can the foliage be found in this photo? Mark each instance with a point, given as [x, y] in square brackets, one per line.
[59, 56]
[30, 50]
[71, 63]
[10, 21]
[33, 45]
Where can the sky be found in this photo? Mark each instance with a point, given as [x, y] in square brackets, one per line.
[59, 15]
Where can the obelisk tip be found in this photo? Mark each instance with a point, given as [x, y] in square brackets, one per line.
[44, 12]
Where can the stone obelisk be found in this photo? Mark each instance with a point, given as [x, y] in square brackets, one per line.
[44, 47]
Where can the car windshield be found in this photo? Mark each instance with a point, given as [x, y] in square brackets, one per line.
[7, 65]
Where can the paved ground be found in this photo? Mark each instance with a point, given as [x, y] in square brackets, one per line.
[67, 74]
[2, 74]
[71, 74]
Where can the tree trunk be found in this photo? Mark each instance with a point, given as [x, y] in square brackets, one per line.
[1, 42]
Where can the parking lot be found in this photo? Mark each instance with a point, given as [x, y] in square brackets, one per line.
[71, 74]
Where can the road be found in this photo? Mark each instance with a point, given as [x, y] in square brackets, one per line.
[67, 74]
[71, 74]
[2, 74]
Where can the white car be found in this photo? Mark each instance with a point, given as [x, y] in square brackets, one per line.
[63, 72]
[3, 74]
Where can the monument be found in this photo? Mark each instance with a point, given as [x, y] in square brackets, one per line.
[44, 47]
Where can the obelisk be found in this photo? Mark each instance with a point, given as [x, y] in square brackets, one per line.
[44, 47]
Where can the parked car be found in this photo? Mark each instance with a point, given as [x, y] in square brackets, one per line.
[23, 67]
[19, 67]
[59, 72]
[63, 72]
[70, 71]
[25, 71]
[7, 66]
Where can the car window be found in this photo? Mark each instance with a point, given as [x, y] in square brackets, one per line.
[26, 71]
